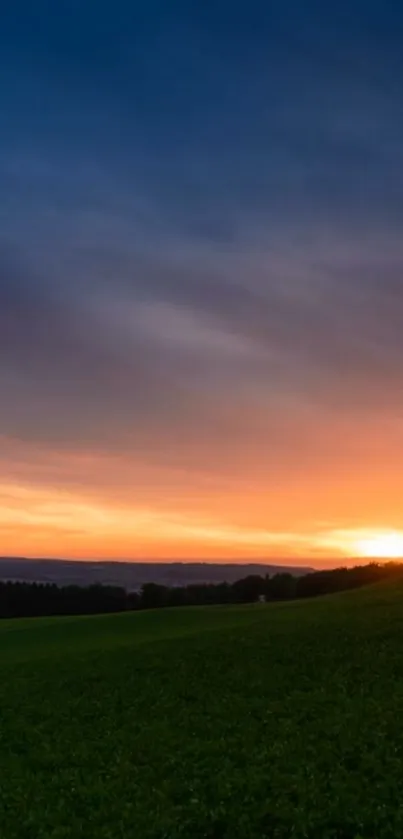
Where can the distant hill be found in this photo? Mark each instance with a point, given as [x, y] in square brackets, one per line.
[132, 575]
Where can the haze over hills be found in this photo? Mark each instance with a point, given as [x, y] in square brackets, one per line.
[132, 575]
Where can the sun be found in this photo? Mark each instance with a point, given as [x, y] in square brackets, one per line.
[387, 545]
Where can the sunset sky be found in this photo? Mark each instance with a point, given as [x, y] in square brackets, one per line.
[201, 279]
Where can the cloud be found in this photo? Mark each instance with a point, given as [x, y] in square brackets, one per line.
[175, 341]
[200, 266]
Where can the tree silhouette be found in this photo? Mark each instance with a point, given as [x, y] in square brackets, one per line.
[21, 599]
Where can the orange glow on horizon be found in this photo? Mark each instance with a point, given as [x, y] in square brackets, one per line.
[95, 505]
[384, 545]
[55, 523]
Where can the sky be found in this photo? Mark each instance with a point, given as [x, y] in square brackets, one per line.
[201, 285]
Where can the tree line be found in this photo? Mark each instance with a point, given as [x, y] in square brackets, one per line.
[20, 599]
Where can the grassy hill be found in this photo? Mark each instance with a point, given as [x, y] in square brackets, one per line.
[239, 722]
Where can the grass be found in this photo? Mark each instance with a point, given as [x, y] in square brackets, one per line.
[282, 721]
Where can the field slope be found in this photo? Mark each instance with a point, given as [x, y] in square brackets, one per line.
[261, 721]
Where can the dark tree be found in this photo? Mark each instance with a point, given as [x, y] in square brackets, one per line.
[154, 596]
[249, 589]
[21, 599]
[281, 587]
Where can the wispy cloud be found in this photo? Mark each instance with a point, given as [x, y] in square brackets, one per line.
[200, 263]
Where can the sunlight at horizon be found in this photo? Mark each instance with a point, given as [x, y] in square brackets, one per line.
[201, 296]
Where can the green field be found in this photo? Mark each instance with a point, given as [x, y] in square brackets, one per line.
[279, 721]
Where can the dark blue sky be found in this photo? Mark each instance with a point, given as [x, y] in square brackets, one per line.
[200, 241]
